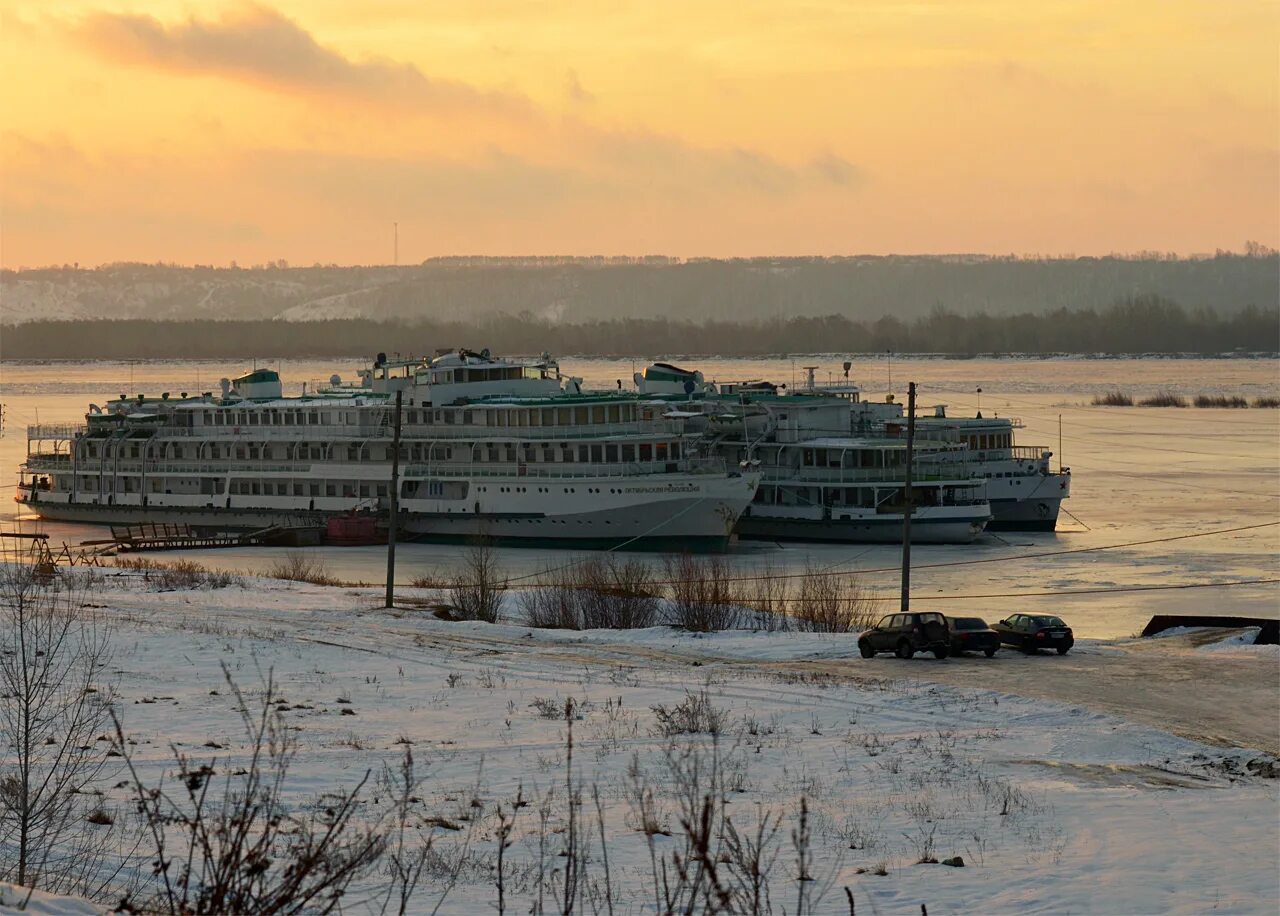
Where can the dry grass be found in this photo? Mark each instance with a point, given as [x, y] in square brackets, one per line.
[178, 573]
[1266, 401]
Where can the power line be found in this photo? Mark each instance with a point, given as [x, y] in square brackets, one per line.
[949, 563]
[1083, 591]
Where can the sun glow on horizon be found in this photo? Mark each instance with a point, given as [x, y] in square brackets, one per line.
[211, 132]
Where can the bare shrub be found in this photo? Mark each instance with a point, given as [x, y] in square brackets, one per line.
[1112, 399]
[694, 715]
[478, 587]
[832, 603]
[702, 597]
[239, 848]
[615, 593]
[296, 566]
[1220, 400]
[549, 603]
[592, 593]
[53, 655]
[1266, 401]
[766, 599]
[1164, 399]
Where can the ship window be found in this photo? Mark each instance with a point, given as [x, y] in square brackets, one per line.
[382, 491]
[646, 451]
[331, 489]
[364, 490]
[313, 489]
[628, 452]
[297, 489]
[254, 488]
[675, 449]
[615, 414]
[611, 453]
[660, 451]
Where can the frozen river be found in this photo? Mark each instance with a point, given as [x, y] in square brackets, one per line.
[1139, 474]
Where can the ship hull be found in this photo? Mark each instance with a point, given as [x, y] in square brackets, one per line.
[884, 530]
[1024, 514]
[688, 513]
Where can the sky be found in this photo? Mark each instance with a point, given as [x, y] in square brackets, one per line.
[205, 133]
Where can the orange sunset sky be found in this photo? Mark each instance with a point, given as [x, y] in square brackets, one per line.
[205, 132]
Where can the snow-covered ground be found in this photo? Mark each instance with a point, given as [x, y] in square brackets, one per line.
[1053, 808]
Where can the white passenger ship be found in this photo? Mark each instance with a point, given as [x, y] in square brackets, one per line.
[818, 482]
[1022, 490]
[499, 449]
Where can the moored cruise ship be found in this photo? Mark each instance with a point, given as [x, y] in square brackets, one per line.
[818, 482]
[490, 448]
[1023, 491]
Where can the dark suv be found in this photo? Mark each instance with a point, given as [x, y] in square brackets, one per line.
[906, 634]
[1033, 632]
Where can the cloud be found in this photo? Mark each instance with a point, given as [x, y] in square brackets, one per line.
[837, 170]
[259, 45]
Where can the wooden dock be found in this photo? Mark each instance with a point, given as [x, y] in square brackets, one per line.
[152, 536]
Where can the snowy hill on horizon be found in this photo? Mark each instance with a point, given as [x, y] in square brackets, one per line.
[579, 289]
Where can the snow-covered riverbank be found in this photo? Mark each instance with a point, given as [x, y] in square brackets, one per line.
[1053, 807]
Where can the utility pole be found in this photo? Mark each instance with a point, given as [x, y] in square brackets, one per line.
[907, 499]
[395, 506]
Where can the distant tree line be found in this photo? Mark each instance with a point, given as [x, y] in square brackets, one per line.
[1145, 324]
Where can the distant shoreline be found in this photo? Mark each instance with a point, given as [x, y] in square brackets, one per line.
[615, 357]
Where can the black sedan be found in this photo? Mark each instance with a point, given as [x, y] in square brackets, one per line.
[971, 634]
[1031, 632]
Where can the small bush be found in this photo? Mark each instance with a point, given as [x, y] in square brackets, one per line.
[428, 580]
[694, 715]
[1266, 401]
[615, 593]
[832, 604]
[478, 588]
[1220, 400]
[550, 604]
[1112, 399]
[1164, 399]
[766, 599]
[702, 597]
[296, 566]
[597, 592]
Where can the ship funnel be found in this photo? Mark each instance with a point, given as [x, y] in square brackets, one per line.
[225, 385]
[335, 380]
